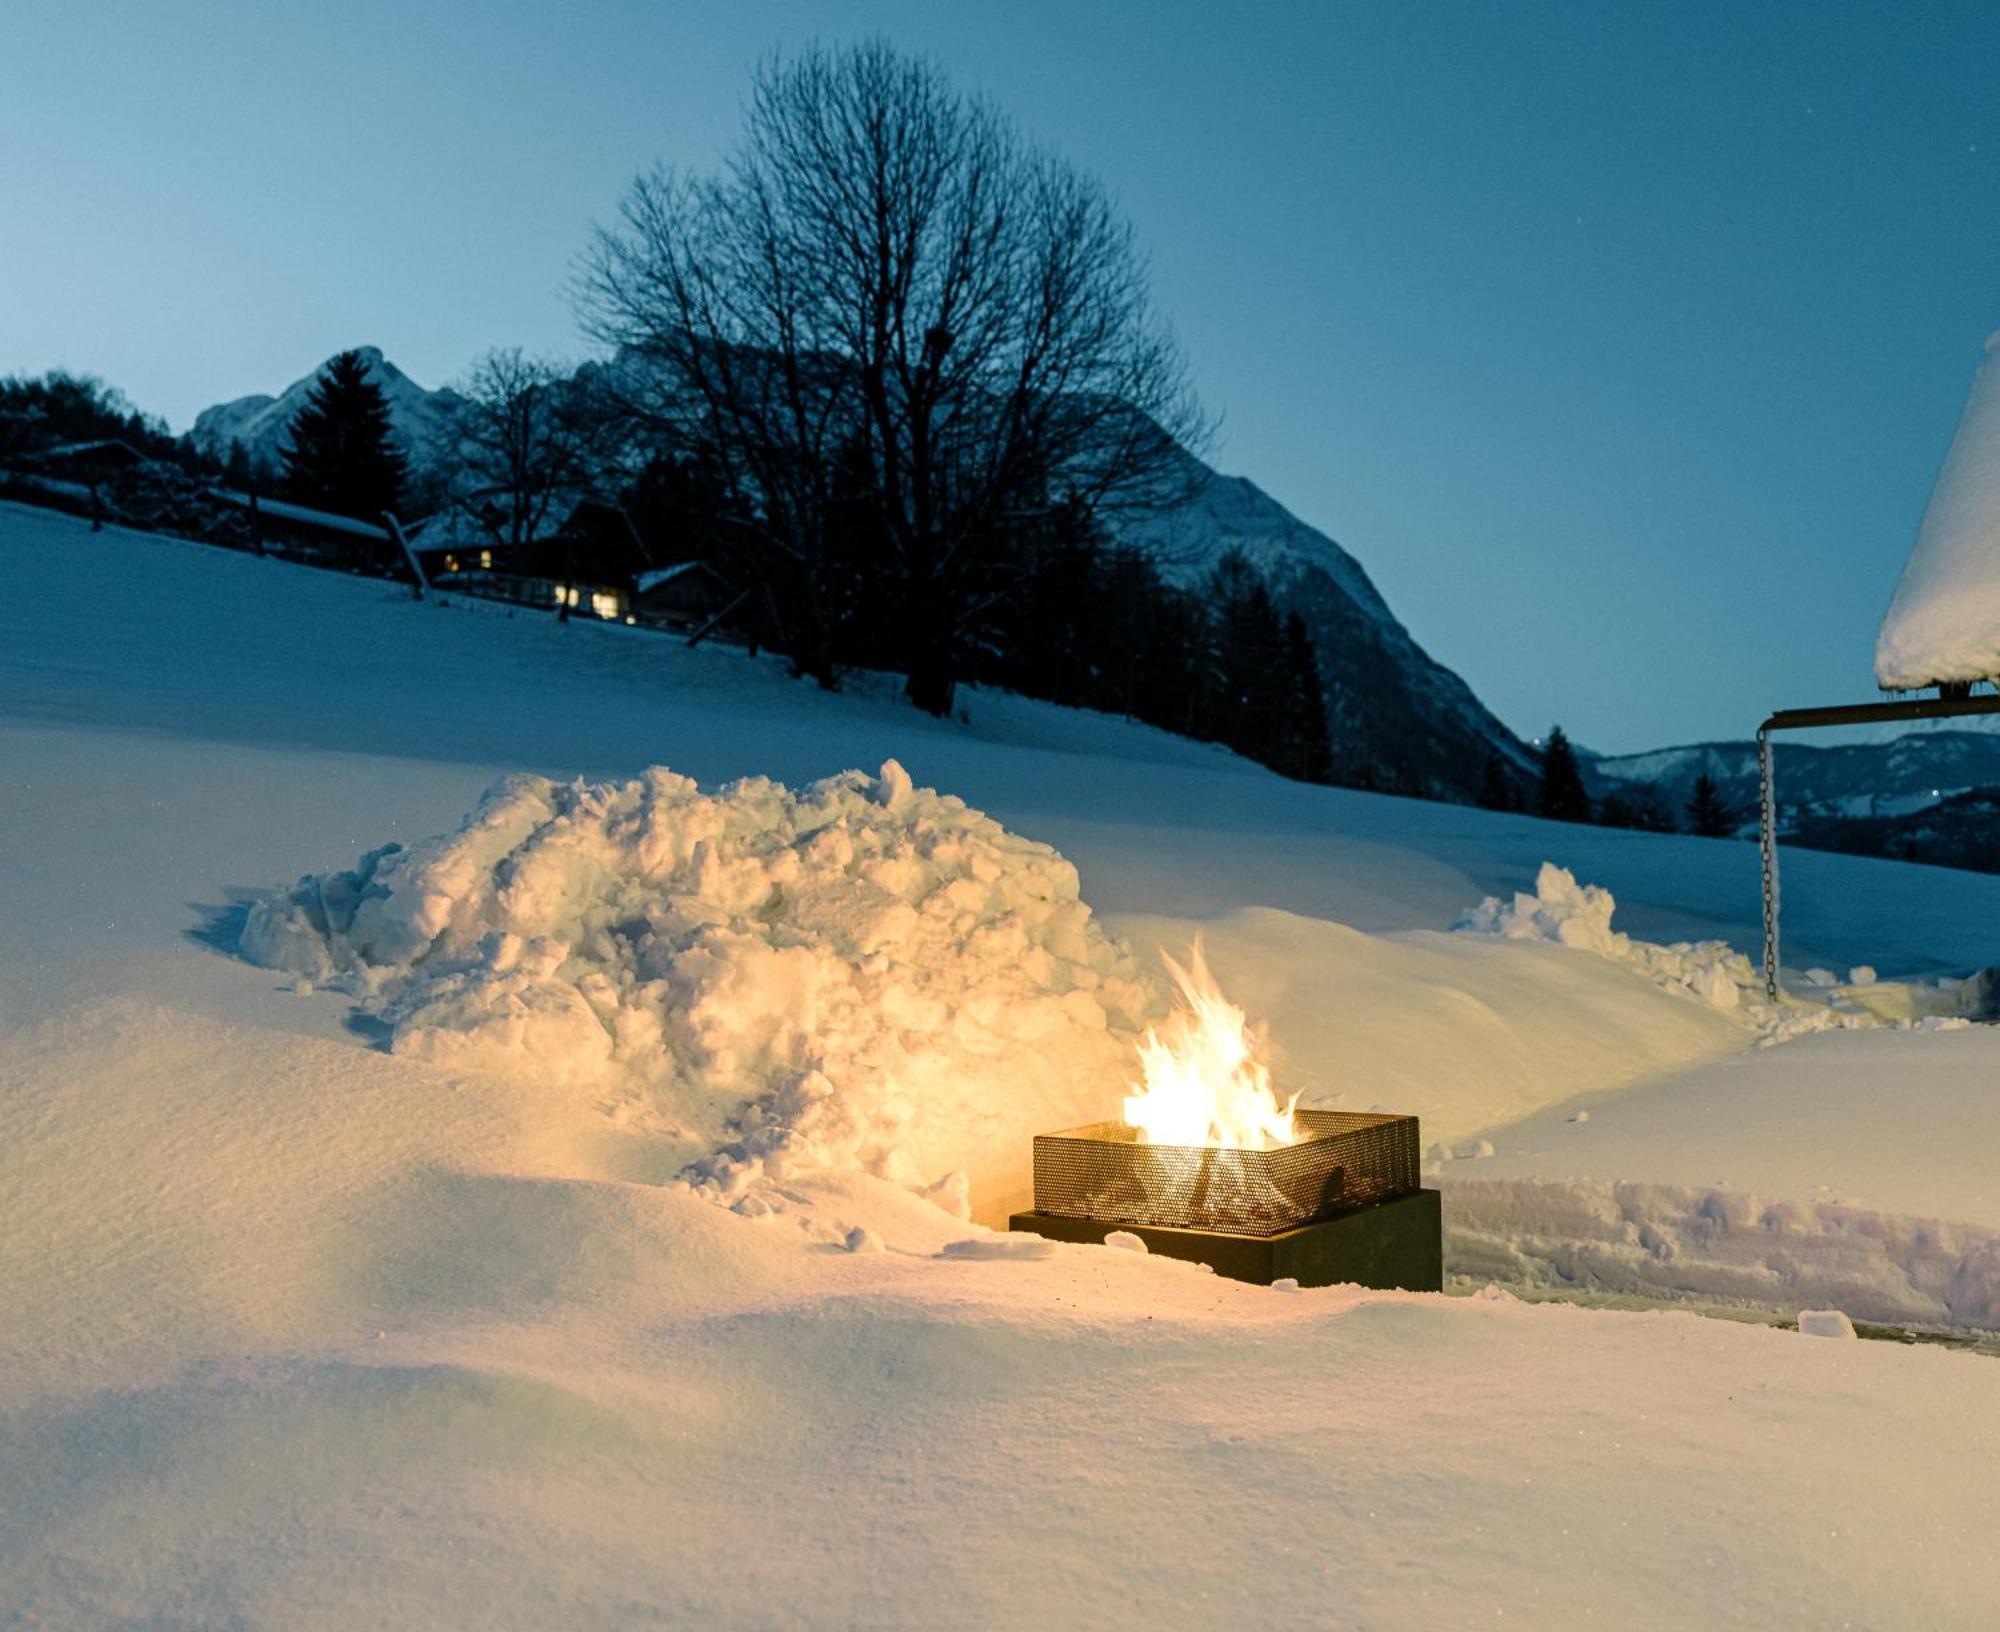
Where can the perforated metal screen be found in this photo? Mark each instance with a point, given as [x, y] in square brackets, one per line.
[1351, 1159]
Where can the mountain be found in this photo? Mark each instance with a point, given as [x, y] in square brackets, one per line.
[1408, 723]
[1399, 720]
[424, 420]
[1962, 830]
[1852, 781]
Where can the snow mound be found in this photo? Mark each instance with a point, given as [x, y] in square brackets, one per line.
[1825, 1323]
[1713, 972]
[1944, 622]
[860, 974]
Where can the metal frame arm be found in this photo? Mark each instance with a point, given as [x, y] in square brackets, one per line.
[1803, 719]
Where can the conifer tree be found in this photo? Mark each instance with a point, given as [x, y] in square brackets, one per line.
[1496, 788]
[1307, 750]
[1248, 661]
[1708, 816]
[1562, 796]
[343, 456]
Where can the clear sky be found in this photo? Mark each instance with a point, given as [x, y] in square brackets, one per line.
[1620, 342]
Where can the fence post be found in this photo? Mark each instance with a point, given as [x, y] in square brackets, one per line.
[418, 583]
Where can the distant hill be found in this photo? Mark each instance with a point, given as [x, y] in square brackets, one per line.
[1851, 781]
[1399, 719]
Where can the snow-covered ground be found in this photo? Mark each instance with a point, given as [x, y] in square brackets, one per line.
[301, 1328]
[1851, 1170]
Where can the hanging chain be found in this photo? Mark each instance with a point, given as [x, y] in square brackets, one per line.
[1767, 845]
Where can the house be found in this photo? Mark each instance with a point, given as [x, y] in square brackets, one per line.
[688, 595]
[317, 535]
[589, 559]
[586, 541]
[89, 463]
[687, 588]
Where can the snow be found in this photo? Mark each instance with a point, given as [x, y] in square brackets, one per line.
[280, 510]
[859, 974]
[649, 581]
[1825, 1323]
[1849, 1167]
[300, 1329]
[1565, 913]
[1944, 622]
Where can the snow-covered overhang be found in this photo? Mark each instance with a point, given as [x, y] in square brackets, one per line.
[1943, 626]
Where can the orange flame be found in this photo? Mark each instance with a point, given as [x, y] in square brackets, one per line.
[1204, 1084]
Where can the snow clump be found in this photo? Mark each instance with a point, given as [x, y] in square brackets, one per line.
[860, 974]
[1579, 915]
[1567, 913]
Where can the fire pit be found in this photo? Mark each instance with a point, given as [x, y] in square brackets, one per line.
[1207, 1165]
[1342, 1161]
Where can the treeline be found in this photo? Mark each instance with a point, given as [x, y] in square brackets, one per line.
[1962, 831]
[1645, 807]
[1064, 614]
[59, 408]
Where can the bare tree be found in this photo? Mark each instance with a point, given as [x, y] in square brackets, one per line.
[888, 269]
[528, 443]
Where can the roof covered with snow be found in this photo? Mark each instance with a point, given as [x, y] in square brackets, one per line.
[280, 510]
[647, 582]
[1944, 623]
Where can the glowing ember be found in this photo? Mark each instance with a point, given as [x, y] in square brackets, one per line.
[1204, 1083]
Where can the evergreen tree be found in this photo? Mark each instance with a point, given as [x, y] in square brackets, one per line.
[343, 456]
[1651, 810]
[1708, 816]
[1496, 787]
[1248, 661]
[1562, 795]
[1306, 752]
[1638, 805]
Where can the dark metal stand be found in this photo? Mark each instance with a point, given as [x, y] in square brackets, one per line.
[1395, 1244]
[1951, 703]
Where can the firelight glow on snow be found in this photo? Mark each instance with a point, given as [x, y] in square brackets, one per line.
[367, 1316]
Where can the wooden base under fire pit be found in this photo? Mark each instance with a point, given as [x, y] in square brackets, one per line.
[1397, 1244]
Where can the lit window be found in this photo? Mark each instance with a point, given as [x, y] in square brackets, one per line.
[486, 558]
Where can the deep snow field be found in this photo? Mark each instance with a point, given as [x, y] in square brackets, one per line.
[365, 1284]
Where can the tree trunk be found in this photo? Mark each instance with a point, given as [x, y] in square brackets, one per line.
[933, 678]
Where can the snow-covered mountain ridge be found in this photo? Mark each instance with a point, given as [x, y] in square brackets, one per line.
[1858, 779]
[425, 420]
[1399, 719]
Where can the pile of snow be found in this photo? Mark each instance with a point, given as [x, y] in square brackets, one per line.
[1567, 913]
[862, 974]
[1944, 622]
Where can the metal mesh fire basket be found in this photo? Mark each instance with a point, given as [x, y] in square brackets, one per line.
[1347, 1161]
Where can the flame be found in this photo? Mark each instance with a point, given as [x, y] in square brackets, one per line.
[1204, 1084]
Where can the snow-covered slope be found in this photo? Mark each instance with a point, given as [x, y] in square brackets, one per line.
[424, 420]
[1943, 624]
[300, 1330]
[1400, 720]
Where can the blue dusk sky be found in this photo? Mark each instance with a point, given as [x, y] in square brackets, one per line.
[1620, 342]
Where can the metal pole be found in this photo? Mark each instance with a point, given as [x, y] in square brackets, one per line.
[1767, 845]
